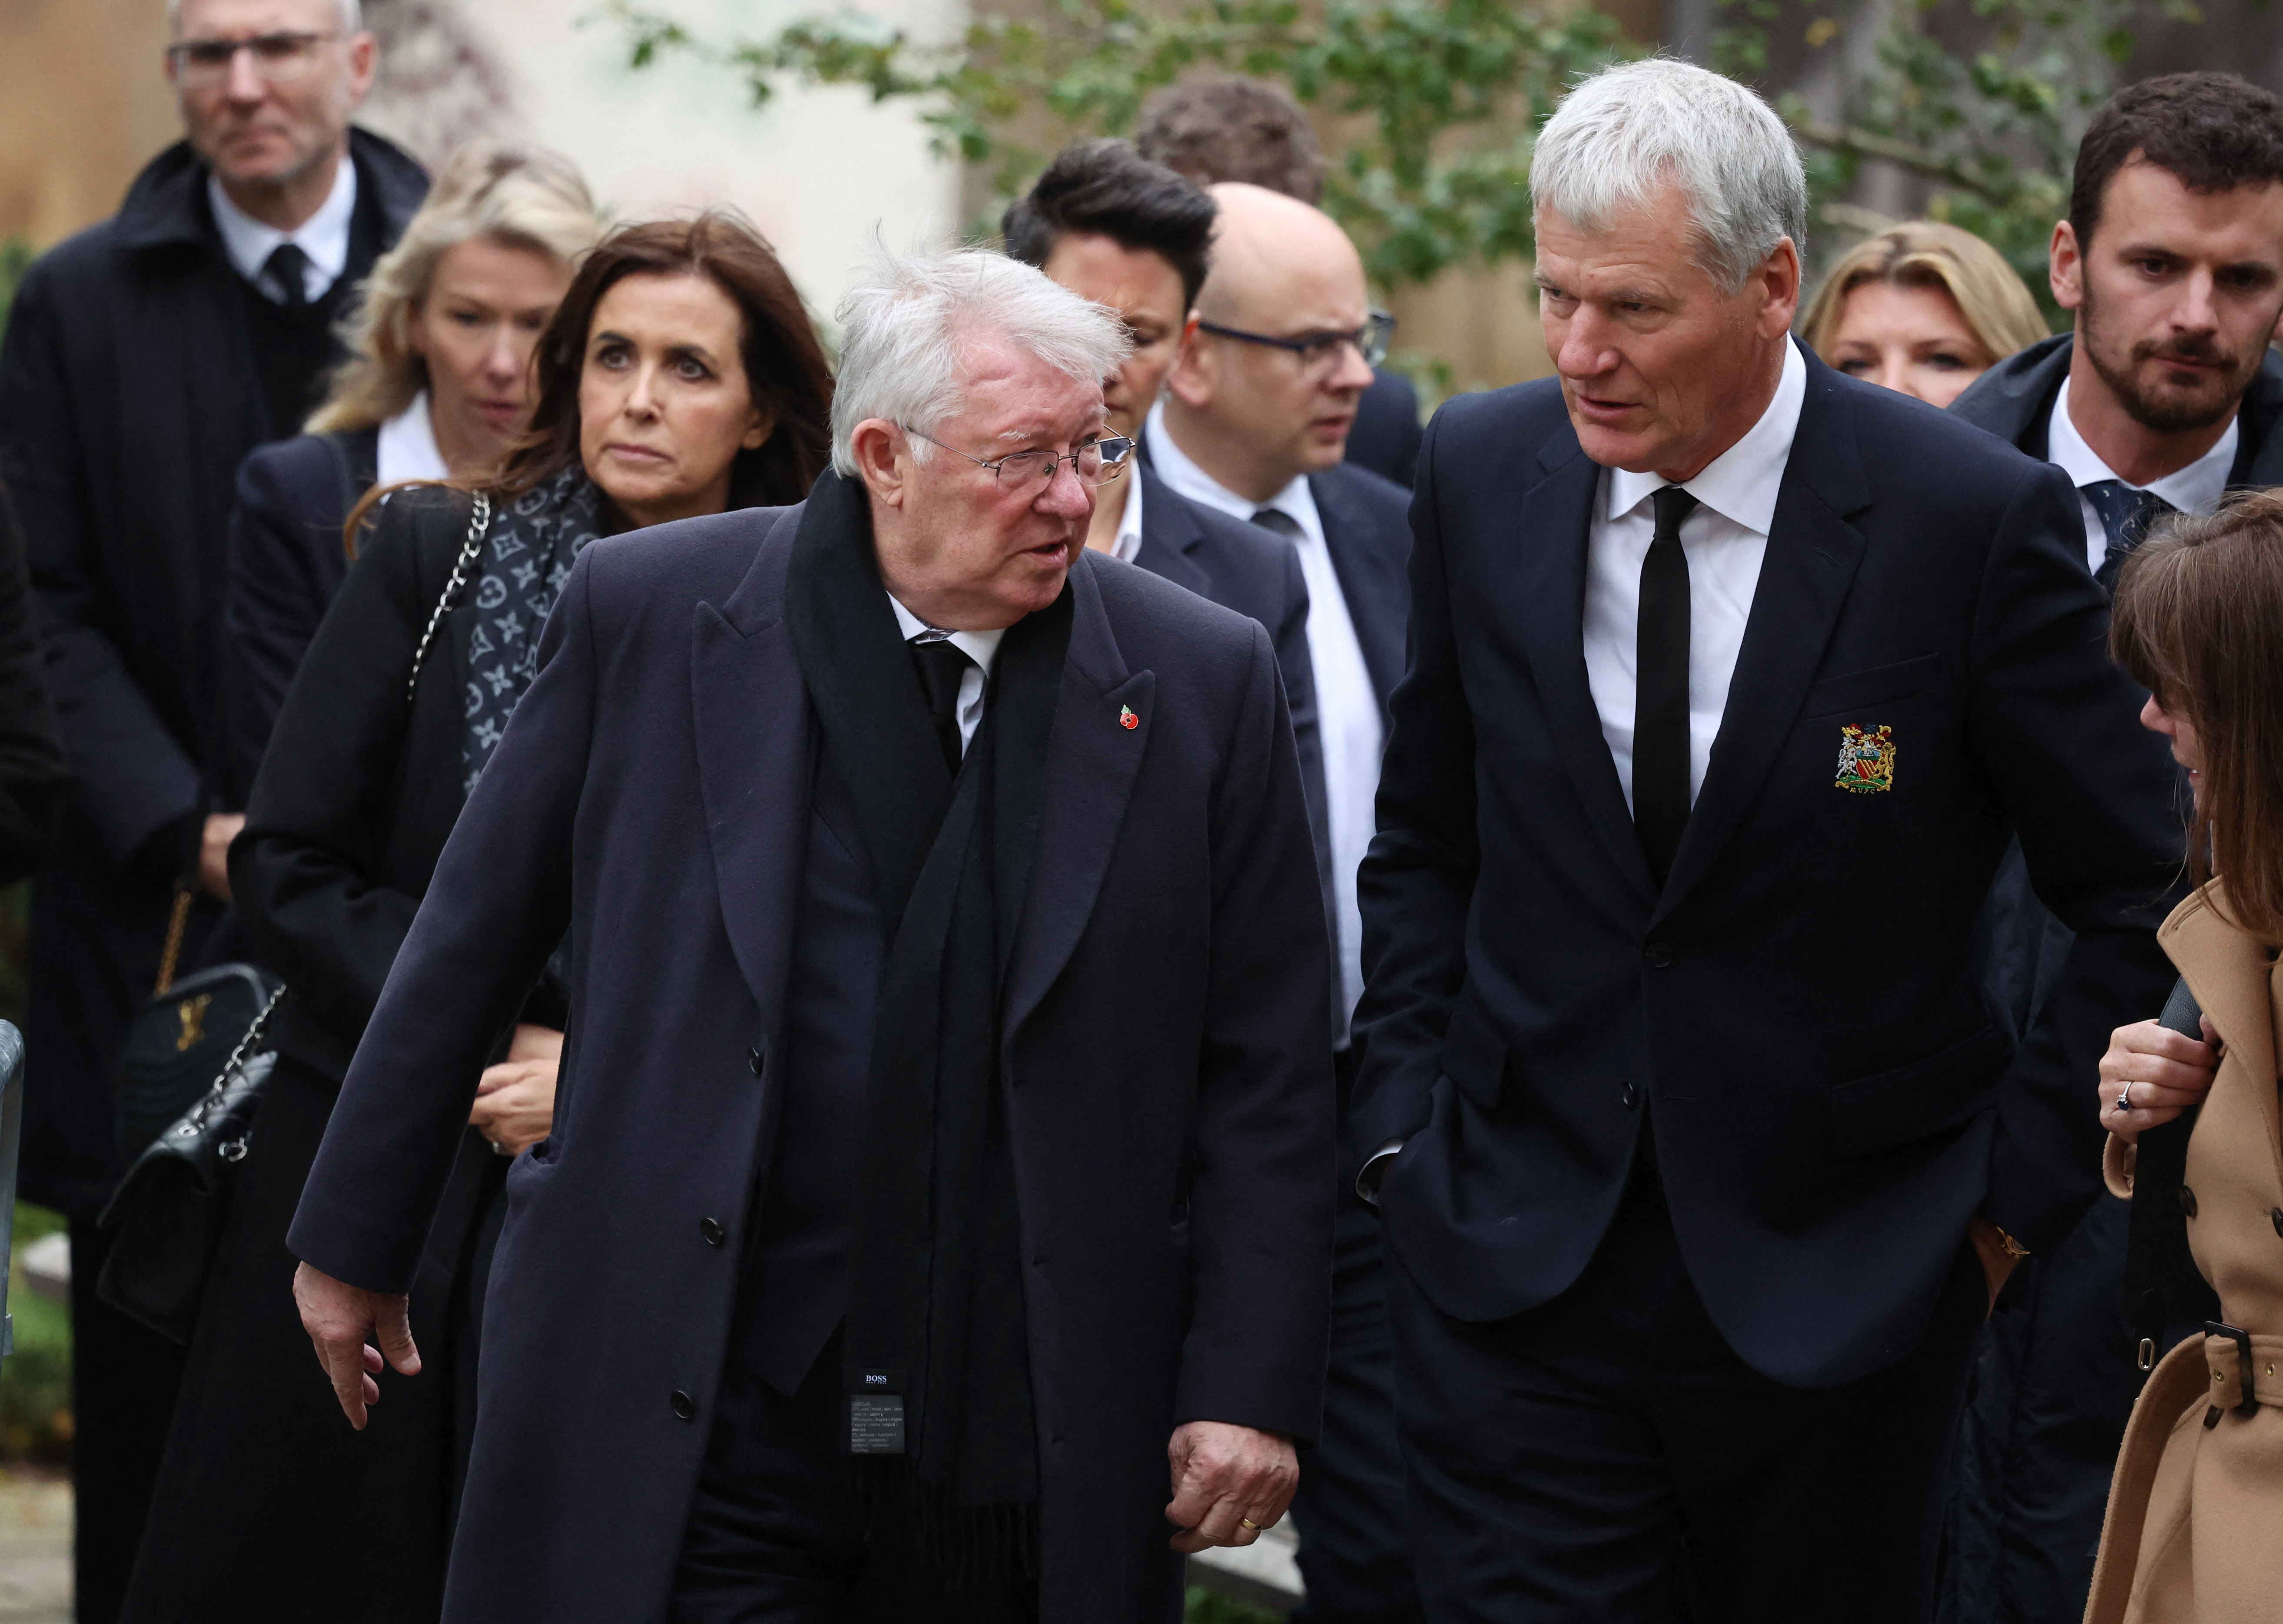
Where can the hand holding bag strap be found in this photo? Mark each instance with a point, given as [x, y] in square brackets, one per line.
[471, 551]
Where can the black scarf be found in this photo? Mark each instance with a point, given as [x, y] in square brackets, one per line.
[935, 1276]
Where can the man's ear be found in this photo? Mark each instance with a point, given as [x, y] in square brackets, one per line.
[883, 460]
[2065, 268]
[1195, 368]
[1780, 280]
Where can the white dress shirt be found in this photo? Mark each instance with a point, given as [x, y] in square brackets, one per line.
[1347, 705]
[1127, 489]
[2197, 488]
[1724, 539]
[408, 447]
[324, 237]
[980, 647]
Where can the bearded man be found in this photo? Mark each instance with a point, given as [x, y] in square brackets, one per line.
[2164, 397]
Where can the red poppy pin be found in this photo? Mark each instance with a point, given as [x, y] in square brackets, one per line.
[1126, 719]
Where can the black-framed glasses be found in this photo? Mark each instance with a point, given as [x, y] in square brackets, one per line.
[1318, 351]
[1097, 461]
[278, 58]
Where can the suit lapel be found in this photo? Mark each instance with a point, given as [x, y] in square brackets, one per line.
[1553, 520]
[1811, 558]
[1092, 761]
[754, 754]
[1169, 531]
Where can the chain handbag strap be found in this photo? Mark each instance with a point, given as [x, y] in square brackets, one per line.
[237, 1058]
[471, 550]
[170, 959]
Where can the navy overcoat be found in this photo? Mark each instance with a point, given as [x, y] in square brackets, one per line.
[1170, 1086]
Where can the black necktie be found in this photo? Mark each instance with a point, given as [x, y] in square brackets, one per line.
[1661, 688]
[2126, 511]
[287, 271]
[941, 664]
[1276, 519]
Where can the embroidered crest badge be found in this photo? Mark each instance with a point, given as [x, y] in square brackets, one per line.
[1866, 759]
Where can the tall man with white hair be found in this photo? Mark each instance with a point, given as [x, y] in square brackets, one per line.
[1700, 1157]
[928, 1165]
[145, 358]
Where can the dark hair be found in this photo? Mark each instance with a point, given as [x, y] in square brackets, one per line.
[2198, 621]
[1108, 188]
[2212, 132]
[1233, 129]
[784, 364]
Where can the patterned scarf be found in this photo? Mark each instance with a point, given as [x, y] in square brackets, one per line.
[526, 559]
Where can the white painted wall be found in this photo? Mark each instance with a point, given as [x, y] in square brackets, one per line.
[817, 170]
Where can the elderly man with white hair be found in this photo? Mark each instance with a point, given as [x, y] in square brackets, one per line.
[944, 1136]
[1700, 1157]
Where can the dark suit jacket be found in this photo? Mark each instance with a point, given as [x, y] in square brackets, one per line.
[33, 775]
[129, 393]
[286, 562]
[1170, 1103]
[1799, 1014]
[1385, 435]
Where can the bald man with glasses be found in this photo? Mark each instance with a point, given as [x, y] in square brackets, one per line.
[1254, 424]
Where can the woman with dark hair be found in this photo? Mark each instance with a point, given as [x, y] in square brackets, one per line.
[2197, 1493]
[679, 376]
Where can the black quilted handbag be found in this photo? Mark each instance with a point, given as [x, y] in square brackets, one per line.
[165, 1219]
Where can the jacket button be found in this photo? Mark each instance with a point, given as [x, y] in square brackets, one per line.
[753, 1062]
[684, 1406]
[1658, 953]
[2188, 1201]
[710, 1228]
[1633, 1096]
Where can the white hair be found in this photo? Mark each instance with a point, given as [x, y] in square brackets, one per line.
[907, 321]
[351, 16]
[1623, 133]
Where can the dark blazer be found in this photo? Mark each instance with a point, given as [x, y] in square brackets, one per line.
[128, 396]
[2014, 400]
[286, 562]
[1170, 1104]
[34, 777]
[1368, 530]
[1799, 1014]
[1385, 435]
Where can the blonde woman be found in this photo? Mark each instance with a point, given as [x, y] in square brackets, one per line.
[437, 386]
[1922, 308]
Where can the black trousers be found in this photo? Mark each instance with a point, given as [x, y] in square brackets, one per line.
[1608, 1458]
[124, 1378]
[1349, 1510]
[773, 1536]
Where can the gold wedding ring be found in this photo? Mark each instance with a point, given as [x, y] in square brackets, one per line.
[1247, 1522]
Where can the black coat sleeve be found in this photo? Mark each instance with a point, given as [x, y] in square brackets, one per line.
[135, 782]
[1417, 882]
[33, 774]
[323, 809]
[285, 564]
[2091, 793]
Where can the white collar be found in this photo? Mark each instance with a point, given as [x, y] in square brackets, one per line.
[1743, 482]
[408, 447]
[1129, 522]
[1179, 470]
[2197, 488]
[324, 237]
[981, 647]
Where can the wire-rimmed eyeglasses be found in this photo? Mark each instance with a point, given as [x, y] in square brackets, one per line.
[1097, 461]
[278, 58]
[1318, 351]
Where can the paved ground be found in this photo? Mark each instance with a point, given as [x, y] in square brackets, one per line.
[36, 1524]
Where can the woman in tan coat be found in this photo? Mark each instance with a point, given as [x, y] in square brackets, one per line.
[2195, 1528]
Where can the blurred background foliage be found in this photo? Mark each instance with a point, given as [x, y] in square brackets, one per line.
[1429, 106]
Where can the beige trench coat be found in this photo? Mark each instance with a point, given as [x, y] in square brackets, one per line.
[2194, 1530]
